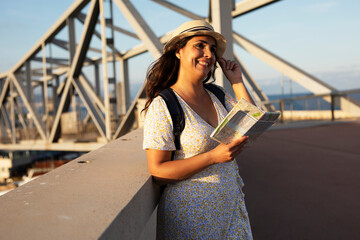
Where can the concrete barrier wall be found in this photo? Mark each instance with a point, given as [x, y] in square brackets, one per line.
[105, 194]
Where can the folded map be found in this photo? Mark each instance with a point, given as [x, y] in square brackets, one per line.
[245, 119]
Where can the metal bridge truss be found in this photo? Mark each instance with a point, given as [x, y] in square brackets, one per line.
[83, 83]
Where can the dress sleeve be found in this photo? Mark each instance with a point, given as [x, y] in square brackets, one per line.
[158, 128]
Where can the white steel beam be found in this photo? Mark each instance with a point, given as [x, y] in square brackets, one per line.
[4, 91]
[141, 48]
[222, 23]
[4, 75]
[58, 72]
[72, 38]
[45, 92]
[97, 34]
[33, 114]
[97, 79]
[241, 8]
[306, 80]
[20, 116]
[246, 6]
[125, 124]
[28, 78]
[105, 73]
[55, 86]
[12, 114]
[254, 88]
[64, 45]
[116, 28]
[77, 63]
[125, 91]
[89, 89]
[57, 61]
[56, 28]
[91, 108]
[178, 9]
[121, 30]
[6, 118]
[145, 34]
[153, 45]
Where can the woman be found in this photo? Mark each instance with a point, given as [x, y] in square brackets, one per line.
[203, 198]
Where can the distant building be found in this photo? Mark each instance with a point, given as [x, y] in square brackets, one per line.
[12, 161]
[5, 165]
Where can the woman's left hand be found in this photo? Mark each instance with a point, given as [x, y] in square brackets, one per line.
[231, 70]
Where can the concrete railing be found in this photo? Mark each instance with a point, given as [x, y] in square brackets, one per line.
[105, 194]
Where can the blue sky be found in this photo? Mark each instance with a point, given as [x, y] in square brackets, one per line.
[321, 37]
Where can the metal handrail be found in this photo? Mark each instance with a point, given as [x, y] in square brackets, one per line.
[332, 96]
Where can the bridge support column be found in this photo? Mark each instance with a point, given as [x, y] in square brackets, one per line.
[221, 20]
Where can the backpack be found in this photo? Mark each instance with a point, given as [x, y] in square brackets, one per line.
[176, 111]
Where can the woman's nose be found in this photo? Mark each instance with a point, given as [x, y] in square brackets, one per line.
[207, 52]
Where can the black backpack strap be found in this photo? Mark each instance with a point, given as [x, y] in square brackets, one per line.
[176, 113]
[217, 92]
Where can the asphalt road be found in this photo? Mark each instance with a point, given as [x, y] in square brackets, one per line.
[304, 183]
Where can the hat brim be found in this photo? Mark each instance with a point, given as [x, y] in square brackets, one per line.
[220, 40]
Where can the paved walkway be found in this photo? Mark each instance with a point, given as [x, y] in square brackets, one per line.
[304, 183]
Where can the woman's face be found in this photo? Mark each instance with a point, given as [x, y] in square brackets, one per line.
[198, 56]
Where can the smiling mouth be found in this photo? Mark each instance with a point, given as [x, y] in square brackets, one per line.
[204, 63]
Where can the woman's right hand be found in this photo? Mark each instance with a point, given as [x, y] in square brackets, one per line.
[162, 167]
[226, 153]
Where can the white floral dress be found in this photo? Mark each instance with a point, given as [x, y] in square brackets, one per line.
[210, 204]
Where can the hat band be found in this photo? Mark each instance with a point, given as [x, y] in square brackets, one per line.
[198, 28]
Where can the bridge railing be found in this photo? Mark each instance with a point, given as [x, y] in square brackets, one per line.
[316, 106]
[105, 194]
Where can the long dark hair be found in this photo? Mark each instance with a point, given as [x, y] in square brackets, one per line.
[163, 73]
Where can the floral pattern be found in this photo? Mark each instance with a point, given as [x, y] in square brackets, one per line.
[210, 204]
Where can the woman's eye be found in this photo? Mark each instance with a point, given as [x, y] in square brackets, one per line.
[200, 45]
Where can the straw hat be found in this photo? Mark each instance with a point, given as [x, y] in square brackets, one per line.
[197, 28]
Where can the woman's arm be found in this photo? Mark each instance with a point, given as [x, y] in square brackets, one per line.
[164, 169]
[233, 73]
